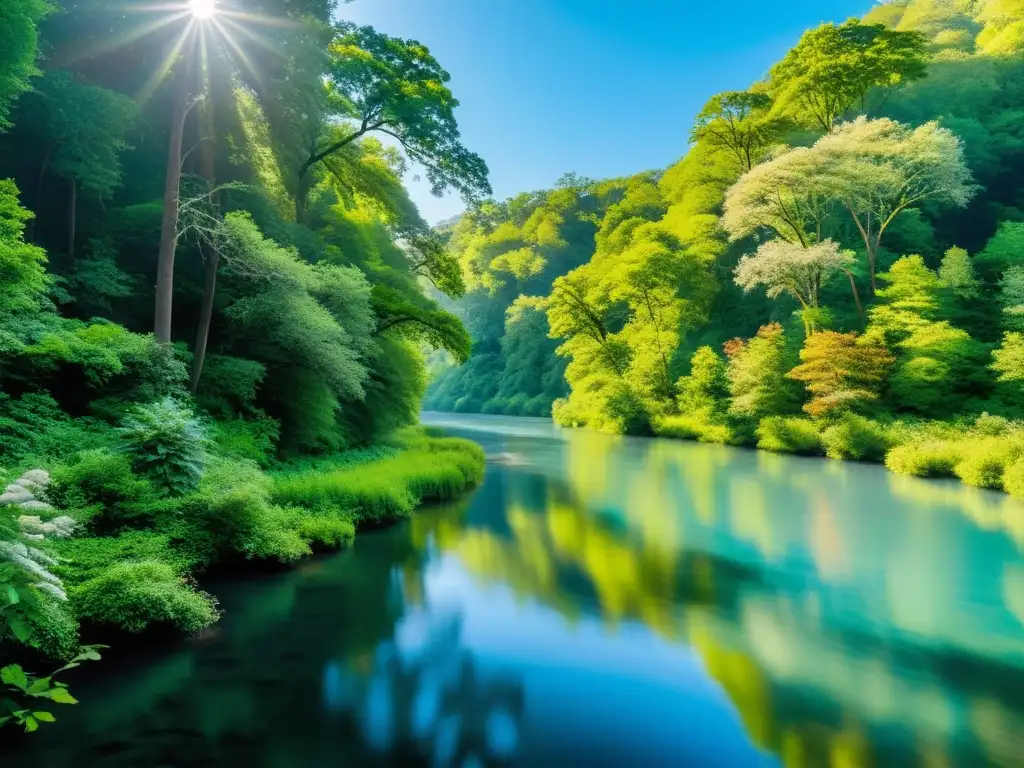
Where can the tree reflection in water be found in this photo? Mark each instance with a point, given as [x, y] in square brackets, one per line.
[426, 698]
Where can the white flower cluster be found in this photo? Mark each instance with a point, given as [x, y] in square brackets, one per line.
[36, 563]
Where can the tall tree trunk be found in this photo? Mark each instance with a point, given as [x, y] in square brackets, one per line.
[206, 136]
[856, 298]
[301, 194]
[72, 212]
[169, 225]
[30, 230]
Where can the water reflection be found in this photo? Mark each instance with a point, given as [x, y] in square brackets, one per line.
[426, 695]
[603, 601]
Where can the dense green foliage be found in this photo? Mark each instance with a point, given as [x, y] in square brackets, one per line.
[208, 273]
[844, 239]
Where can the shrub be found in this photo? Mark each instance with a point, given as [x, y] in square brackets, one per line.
[856, 437]
[991, 425]
[101, 488]
[788, 435]
[166, 442]
[230, 515]
[928, 458]
[84, 558]
[1013, 479]
[229, 384]
[985, 459]
[699, 425]
[54, 630]
[138, 595]
[325, 530]
[35, 427]
[249, 439]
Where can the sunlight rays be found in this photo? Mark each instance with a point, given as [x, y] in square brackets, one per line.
[186, 37]
[207, 27]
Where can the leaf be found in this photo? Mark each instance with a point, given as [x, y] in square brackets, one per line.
[44, 717]
[69, 665]
[20, 628]
[14, 675]
[61, 696]
[39, 686]
[4, 719]
[12, 595]
[31, 724]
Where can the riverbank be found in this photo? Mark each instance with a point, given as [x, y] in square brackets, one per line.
[133, 569]
[985, 452]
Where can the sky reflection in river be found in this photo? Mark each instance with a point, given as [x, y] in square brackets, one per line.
[603, 601]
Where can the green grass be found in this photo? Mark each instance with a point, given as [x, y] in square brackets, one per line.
[426, 469]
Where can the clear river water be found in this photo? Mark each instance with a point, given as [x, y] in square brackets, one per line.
[603, 601]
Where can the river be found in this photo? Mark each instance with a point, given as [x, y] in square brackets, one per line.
[604, 601]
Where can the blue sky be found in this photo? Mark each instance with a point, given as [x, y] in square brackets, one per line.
[600, 87]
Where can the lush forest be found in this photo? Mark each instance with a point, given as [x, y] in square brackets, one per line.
[213, 313]
[835, 266]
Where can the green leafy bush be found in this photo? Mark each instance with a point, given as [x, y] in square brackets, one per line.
[1013, 479]
[252, 439]
[928, 458]
[34, 429]
[82, 558]
[788, 435]
[856, 437]
[101, 488]
[166, 442]
[984, 461]
[694, 426]
[138, 595]
[229, 385]
[324, 530]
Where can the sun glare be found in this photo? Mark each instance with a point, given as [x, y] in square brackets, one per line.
[203, 9]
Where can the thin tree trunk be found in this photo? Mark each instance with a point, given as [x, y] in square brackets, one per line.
[72, 213]
[169, 225]
[205, 318]
[30, 230]
[206, 136]
[856, 297]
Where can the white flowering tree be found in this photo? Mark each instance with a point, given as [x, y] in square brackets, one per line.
[880, 168]
[871, 169]
[781, 267]
[786, 195]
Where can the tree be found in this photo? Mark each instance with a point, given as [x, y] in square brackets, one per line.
[576, 307]
[1011, 297]
[1008, 359]
[880, 168]
[741, 123]
[787, 195]
[939, 366]
[666, 288]
[707, 387]
[834, 67]
[783, 267]
[23, 279]
[909, 300]
[19, 20]
[82, 127]
[841, 371]
[395, 87]
[757, 374]
[1004, 249]
[956, 274]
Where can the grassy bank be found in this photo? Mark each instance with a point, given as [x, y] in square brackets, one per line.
[132, 563]
[986, 451]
